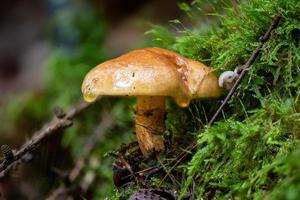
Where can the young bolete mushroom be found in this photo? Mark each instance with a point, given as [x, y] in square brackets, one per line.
[151, 75]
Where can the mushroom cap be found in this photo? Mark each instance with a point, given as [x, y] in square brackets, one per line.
[151, 72]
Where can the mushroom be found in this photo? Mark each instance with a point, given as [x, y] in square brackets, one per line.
[151, 75]
[228, 78]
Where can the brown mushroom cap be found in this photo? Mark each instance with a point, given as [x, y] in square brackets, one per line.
[152, 72]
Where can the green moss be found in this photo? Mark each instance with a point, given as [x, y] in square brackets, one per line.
[240, 159]
[244, 154]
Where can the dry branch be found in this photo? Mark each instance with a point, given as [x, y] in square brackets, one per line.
[56, 124]
[105, 124]
[72, 188]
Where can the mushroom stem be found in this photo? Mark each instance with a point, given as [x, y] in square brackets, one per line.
[150, 123]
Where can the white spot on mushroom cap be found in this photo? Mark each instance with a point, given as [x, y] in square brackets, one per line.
[123, 78]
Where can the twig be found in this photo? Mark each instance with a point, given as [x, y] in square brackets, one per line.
[50, 128]
[69, 190]
[128, 167]
[148, 171]
[250, 61]
[172, 178]
[105, 124]
[182, 156]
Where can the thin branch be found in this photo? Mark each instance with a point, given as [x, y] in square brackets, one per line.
[99, 132]
[172, 178]
[72, 187]
[250, 61]
[50, 128]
